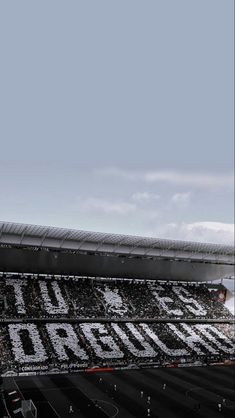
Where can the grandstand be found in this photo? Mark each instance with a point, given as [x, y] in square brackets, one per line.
[83, 302]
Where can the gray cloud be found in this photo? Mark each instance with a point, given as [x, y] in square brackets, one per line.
[145, 196]
[106, 206]
[214, 232]
[179, 178]
[181, 199]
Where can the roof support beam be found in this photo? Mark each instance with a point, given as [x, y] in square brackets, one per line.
[1, 231]
[44, 237]
[23, 234]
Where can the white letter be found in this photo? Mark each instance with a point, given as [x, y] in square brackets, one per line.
[147, 350]
[62, 307]
[163, 300]
[161, 345]
[70, 340]
[113, 350]
[17, 343]
[180, 292]
[17, 285]
[208, 330]
[193, 340]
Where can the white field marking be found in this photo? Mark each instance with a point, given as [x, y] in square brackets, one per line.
[18, 389]
[41, 390]
[219, 398]
[53, 409]
[194, 388]
[109, 403]
[12, 393]
[4, 402]
[72, 387]
[17, 410]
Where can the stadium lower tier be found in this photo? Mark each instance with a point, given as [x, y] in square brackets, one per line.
[62, 347]
[40, 296]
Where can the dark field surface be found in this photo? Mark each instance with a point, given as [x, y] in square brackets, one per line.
[189, 392]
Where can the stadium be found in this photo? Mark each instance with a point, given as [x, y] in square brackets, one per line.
[107, 325]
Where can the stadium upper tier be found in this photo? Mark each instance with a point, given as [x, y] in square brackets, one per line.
[35, 236]
[64, 324]
[42, 296]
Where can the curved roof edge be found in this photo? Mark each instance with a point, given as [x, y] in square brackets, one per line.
[18, 234]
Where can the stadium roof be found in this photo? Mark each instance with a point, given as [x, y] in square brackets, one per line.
[23, 235]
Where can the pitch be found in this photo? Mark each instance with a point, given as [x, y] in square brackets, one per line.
[157, 393]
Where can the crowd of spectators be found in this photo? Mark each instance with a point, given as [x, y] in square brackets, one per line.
[54, 324]
[73, 347]
[78, 297]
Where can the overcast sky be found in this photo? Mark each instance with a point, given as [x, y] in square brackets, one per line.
[117, 116]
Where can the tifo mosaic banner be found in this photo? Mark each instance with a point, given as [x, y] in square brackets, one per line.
[88, 298]
[30, 347]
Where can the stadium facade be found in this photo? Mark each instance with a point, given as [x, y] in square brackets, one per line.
[75, 300]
